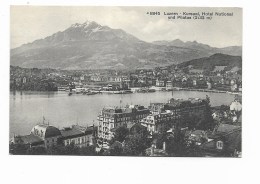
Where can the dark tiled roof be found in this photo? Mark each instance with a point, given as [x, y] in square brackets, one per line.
[71, 133]
[45, 131]
[232, 140]
[91, 128]
[52, 131]
[30, 139]
[225, 128]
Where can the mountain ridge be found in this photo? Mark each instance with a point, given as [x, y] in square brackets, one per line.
[210, 63]
[92, 46]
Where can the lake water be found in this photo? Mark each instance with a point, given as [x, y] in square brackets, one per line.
[28, 108]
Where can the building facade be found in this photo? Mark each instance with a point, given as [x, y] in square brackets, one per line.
[161, 122]
[46, 136]
[40, 135]
[78, 135]
[166, 116]
[110, 118]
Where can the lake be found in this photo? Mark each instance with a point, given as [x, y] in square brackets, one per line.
[28, 108]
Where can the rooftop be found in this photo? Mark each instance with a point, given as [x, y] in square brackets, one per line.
[29, 139]
[226, 128]
[127, 109]
[70, 132]
[45, 131]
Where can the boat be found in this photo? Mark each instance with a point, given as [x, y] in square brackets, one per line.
[91, 93]
[70, 93]
[143, 90]
[151, 90]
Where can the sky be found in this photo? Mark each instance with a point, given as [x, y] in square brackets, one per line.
[29, 23]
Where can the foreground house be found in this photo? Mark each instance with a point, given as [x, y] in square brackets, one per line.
[45, 135]
[40, 135]
[225, 141]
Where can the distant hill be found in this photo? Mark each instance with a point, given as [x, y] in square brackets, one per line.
[92, 46]
[232, 50]
[209, 63]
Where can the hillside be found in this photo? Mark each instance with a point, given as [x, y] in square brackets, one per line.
[232, 50]
[210, 63]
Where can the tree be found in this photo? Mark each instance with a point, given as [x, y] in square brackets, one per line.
[18, 149]
[38, 150]
[176, 145]
[160, 139]
[192, 150]
[70, 149]
[89, 150]
[136, 144]
[58, 149]
[208, 122]
[116, 149]
[120, 134]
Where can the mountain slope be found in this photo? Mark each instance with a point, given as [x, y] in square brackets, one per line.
[92, 46]
[209, 63]
[232, 50]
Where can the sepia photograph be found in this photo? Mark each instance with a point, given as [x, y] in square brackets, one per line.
[128, 81]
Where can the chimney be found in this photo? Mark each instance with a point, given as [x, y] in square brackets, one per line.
[152, 150]
[164, 146]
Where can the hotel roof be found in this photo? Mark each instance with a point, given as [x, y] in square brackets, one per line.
[30, 139]
[71, 133]
[45, 131]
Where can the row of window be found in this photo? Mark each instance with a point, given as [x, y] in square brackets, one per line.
[80, 140]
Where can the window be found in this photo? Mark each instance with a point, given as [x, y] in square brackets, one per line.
[219, 145]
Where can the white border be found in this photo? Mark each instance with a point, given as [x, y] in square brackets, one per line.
[64, 169]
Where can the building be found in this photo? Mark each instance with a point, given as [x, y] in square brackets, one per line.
[169, 85]
[156, 108]
[197, 136]
[40, 135]
[160, 83]
[98, 78]
[186, 108]
[45, 135]
[235, 106]
[157, 123]
[110, 118]
[78, 135]
[209, 85]
[153, 151]
[24, 80]
[168, 115]
[225, 141]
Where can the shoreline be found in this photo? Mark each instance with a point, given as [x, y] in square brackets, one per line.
[206, 90]
[134, 91]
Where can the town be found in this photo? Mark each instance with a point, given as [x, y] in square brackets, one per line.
[220, 79]
[180, 128]
[177, 127]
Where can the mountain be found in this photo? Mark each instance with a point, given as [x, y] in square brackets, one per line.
[92, 46]
[216, 60]
[232, 50]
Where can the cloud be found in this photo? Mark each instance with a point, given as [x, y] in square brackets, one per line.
[163, 29]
